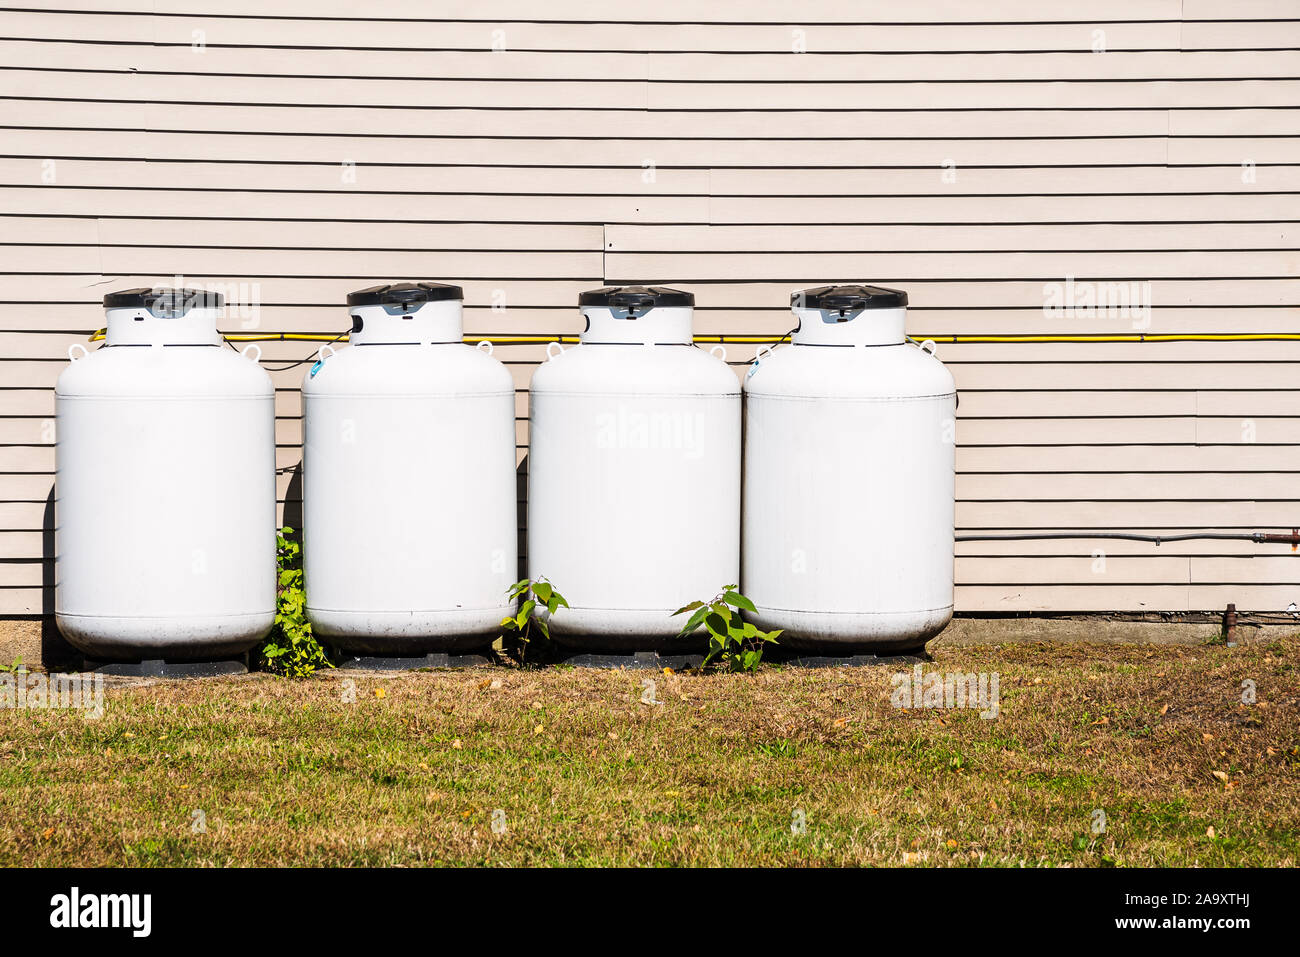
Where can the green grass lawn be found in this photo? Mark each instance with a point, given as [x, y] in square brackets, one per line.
[580, 771]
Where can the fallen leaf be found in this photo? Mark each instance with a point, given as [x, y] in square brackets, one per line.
[380, 692]
[951, 842]
[48, 833]
[1165, 709]
[456, 744]
[485, 684]
[668, 671]
[1222, 776]
[1102, 720]
[538, 729]
[1209, 832]
[841, 722]
[496, 684]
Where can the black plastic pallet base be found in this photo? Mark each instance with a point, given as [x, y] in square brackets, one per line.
[158, 668]
[848, 661]
[639, 660]
[438, 660]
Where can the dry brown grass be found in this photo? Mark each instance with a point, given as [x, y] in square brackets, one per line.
[412, 771]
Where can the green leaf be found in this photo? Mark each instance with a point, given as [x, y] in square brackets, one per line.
[716, 624]
[739, 600]
[694, 621]
[715, 647]
[543, 592]
[525, 613]
[685, 608]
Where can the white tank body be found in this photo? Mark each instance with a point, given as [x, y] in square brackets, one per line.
[849, 479]
[165, 487]
[409, 487]
[633, 472]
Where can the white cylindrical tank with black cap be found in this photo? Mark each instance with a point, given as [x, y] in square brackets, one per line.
[165, 486]
[849, 479]
[633, 471]
[409, 486]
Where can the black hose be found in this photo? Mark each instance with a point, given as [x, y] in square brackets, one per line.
[310, 358]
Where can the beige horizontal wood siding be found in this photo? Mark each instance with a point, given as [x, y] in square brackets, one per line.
[287, 152]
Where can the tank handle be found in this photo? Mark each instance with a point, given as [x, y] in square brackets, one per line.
[720, 351]
[253, 352]
[761, 353]
[481, 344]
[324, 352]
[557, 347]
[76, 348]
[928, 346]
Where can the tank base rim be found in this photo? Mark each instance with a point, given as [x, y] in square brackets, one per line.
[134, 639]
[389, 634]
[847, 634]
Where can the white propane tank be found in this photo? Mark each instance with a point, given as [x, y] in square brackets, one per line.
[165, 486]
[633, 471]
[409, 490]
[849, 479]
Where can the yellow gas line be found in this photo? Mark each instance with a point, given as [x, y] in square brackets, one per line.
[768, 340]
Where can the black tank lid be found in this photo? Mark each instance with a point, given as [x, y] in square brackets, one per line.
[170, 299]
[848, 298]
[636, 299]
[408, 295]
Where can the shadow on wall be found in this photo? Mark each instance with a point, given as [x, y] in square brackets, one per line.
[55, 650]
[293, 502]
[521, 516]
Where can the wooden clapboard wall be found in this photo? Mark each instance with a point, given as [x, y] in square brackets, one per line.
[530, 151]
